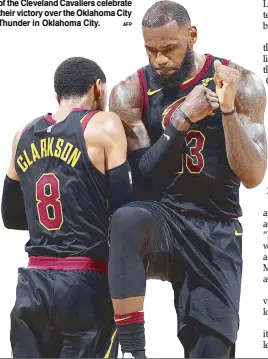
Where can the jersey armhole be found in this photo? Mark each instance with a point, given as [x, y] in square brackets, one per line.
[225, 62]
[26, 128]
[29, 125]
[85, 119]
[143, 89]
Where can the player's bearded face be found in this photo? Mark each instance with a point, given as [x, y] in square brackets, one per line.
[179, 76]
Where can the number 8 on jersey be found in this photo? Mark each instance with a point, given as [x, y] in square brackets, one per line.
[49, 207]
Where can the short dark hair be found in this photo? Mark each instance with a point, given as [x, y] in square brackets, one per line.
[163, 12]
[75, 76]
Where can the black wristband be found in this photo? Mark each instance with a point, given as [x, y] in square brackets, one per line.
[228, 113]
[120, 186]
[186, 118]
[12, 207]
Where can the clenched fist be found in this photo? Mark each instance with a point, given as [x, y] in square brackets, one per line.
[226, 80]
[200, 103]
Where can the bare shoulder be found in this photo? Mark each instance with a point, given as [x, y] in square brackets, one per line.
[110, 124]
[248, 77]
[104, 126]
[251, 94]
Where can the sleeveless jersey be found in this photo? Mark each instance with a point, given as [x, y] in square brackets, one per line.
[64, 193]
[204, 183]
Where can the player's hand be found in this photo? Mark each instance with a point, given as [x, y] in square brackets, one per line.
[226, 80]
[200, 103]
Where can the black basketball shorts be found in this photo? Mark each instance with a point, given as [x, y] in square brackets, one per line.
[202, 258]
[62, 313]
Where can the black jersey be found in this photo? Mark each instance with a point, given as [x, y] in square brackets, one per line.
[204, 183]
[64, 194]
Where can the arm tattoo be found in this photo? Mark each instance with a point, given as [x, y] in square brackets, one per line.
[125, 101]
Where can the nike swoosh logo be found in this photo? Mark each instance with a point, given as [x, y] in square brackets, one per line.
[167, 137]
[151, 93]
[238, 234]
[120, 320]
[130, 177]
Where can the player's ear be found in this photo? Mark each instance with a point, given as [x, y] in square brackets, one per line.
[100, 94]
[97, 90]
[193, 35]
[58, 99]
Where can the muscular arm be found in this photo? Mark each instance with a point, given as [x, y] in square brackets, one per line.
[151, 166]
[117, 168]
[245, 136]
[114, 141]
[125, 101]
[12, 206]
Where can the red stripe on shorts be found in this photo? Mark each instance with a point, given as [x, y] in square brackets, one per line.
[68, 263]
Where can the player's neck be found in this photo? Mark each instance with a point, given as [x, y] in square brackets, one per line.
[66, 107]
[199, 61]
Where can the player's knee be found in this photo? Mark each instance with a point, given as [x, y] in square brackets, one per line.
[131, 224]
[130, 217]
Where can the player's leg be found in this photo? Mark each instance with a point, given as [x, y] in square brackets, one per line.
[83, 315]
[132, 235]
[23, 341]
[209, 291]
[202, 342]
[32, 334]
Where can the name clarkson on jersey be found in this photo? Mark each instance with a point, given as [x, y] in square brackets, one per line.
[49, 147]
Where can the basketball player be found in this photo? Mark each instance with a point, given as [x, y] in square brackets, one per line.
[64, 166]
[195, 131]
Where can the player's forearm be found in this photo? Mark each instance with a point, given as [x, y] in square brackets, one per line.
[120, 186]
[157, 165]
[12, 206]
[245, 157]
